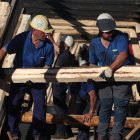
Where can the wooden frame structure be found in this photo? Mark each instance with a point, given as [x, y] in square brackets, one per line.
[64, 75]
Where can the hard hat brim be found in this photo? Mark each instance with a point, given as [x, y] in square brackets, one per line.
[50, 30]
[106, 25]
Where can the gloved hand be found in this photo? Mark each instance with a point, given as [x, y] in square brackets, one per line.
[2, 73]
[90, 81]
[107, 74]
[29, 83]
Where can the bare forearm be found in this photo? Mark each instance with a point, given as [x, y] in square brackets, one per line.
[119, 61]
[92, 95]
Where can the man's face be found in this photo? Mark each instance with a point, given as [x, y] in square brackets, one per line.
[108, 35]
[39, 35]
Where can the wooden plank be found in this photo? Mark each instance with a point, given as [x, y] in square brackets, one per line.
[77, 120]
[92, 23]
[4, 14]
[133, 132]
[77, 50]
[73, 49]
[130, 31]
[90, 30]
[75, 74]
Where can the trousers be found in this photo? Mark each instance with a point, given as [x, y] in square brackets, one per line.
[61, 108]
[119, 95]
[16, 96]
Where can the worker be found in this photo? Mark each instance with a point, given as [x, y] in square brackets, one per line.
[85, 91]
[65, 59]
[33, 50]
[110, 49]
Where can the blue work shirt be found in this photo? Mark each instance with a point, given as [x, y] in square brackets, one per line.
[85, 89]
[27, 55]
[101, 56]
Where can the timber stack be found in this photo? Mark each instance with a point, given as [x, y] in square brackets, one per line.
[76, 18]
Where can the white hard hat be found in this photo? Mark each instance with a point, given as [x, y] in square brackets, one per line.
[105, 22]
[41, 23]
[68, 40]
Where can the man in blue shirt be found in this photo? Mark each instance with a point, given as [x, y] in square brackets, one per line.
[110, 48]
[33, 50]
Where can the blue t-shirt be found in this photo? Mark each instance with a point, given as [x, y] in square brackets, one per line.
[101, 56]
[85, 89]
[27, 55]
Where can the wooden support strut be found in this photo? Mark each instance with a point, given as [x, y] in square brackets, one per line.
[77, 120]
[133, 131]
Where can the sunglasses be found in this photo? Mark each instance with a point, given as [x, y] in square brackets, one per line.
[110, 32]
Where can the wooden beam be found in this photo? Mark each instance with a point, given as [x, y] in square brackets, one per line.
[23, 24]
[131, 32]
[92, 23]
[75, 74]
[133, 131]
[4, 16]
[77, 120]
[77, 50]
[73, 49]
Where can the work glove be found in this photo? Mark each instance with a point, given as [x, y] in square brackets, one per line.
[107, 74]
[29, 83]
[2, 73]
